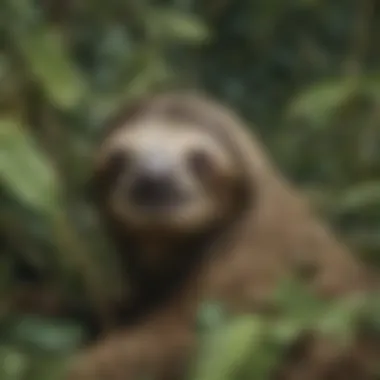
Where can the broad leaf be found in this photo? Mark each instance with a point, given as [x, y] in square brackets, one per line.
[171, 25]
[50, 65]
[24, 169]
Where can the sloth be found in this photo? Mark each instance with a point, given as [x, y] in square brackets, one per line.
[197, 211]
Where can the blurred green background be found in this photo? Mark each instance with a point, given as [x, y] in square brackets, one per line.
[304, 73]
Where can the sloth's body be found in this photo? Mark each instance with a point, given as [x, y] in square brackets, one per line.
[197, 211]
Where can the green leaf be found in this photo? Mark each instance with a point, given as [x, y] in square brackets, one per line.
[371, 85]
[50, 65]
[318, 103]
[298, 304]
[47, 368]
[211, 315]
[24, 170]
[13, 364]
[43, 334]
[152, 74]
[171, 25]
[227, 349]
[341, 318]
[356, 197]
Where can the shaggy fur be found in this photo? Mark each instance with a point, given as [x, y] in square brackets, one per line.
[268, 233]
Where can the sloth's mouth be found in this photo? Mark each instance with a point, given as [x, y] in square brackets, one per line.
[156, 194]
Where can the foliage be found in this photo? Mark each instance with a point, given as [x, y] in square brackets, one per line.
[305, 72]
[250, 346]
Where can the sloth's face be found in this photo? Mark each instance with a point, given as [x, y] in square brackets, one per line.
[168, 177]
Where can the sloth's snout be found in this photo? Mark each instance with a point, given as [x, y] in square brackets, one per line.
[150, 190]
[154, 185]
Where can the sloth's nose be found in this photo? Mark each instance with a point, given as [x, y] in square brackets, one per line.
[152, 190]
[153, 186]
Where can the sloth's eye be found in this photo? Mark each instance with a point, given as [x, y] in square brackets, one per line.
[117, 162]
[104, 178]
[200, 162]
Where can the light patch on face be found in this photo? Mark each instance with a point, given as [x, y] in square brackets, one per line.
[195, 161]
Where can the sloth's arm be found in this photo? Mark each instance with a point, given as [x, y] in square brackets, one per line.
[159, 347]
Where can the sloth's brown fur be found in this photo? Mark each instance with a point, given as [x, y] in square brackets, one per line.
[277, 235]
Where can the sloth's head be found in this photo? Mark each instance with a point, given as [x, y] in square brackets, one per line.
[165, 167]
